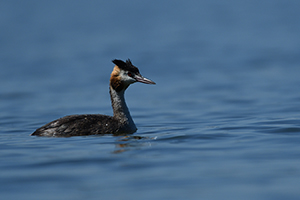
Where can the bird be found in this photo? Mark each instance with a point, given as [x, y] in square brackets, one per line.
[121, 123]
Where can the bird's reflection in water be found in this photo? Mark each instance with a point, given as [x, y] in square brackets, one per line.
[127, 143]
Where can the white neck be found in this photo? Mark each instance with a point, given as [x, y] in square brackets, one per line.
[120, 108]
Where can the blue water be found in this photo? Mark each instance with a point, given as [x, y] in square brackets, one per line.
[223, 121]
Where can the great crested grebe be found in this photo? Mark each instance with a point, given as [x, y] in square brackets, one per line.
[123, 74]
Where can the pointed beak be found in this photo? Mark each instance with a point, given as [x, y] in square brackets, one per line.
[140, 78]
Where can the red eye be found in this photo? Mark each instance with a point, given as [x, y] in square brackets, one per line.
[130, 74]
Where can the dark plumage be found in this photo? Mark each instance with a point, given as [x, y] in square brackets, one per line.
[80, 125]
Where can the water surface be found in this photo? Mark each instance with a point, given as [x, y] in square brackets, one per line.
[221, 123]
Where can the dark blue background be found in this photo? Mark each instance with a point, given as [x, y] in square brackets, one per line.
[221, 123]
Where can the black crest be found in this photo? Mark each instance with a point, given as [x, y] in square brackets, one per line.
[128, 66]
